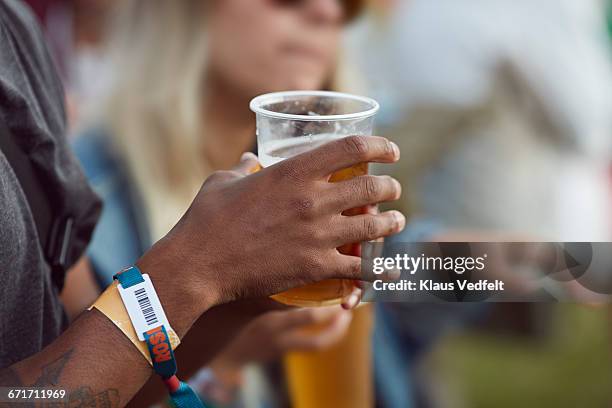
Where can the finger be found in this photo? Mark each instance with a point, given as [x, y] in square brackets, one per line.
[222, 176]
[297, 318]
[372, 209]
[321, 339]
[349, 267]
[248, 164]
[343, 153]
[377, 250]
[362, 191]
[368, 227]
[260, 306]
[352, 300]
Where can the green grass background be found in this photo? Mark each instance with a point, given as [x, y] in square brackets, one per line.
[570, 367]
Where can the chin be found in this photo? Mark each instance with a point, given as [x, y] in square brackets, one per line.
[290, 84]
[303, 83]
[308, 84]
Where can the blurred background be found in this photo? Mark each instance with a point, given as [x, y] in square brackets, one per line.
[503, 112]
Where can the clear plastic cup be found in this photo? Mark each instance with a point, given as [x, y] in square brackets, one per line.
[290, 123]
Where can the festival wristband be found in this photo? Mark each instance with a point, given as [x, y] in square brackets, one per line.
[111, 305]
[151, 326]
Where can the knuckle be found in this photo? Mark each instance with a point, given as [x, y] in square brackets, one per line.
[371, 188]
[394, 225]
[388, 227]
[356, 146]
[290, 171]
[388, 148]
[213, 178]
[312, 266]
[320, 235]
[304, 207]
[343, 230]
[221, 175]
[342, 234]
[370, 227]
[353, 270]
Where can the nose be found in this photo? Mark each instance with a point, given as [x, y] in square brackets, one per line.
[325, 11]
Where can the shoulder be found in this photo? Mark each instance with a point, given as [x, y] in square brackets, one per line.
[18, 20]
[27, 64]
[18, 9]
[15, 13]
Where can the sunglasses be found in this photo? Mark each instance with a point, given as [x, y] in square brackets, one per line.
[352, 8]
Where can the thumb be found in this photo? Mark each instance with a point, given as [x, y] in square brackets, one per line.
[248, 164]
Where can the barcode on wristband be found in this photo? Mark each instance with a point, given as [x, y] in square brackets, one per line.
[143, 306]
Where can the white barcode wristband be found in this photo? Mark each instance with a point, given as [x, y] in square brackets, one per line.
[111, 304]
[141, 302]
[148, 318]
[152, 327]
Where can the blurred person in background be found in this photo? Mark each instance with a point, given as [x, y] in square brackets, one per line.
[504, 112]
[177, 110]
[75, 31]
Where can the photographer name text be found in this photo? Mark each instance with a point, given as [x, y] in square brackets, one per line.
[452, 265]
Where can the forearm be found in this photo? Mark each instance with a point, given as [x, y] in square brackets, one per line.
[94, 358]
[93, 361]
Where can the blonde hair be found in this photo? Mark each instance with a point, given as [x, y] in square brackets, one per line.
[155, 106]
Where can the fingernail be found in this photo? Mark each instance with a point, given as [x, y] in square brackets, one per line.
[396, 150]
[399, 219]
[398, 188]
[351, 302]
[246, 156]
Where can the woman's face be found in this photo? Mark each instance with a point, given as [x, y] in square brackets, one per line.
[260, 46]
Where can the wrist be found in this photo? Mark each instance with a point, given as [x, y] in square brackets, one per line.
[183, 300]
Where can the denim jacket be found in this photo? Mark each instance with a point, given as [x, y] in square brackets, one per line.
[121, 235]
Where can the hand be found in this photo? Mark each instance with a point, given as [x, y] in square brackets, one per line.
[276, 229]
[273, 334]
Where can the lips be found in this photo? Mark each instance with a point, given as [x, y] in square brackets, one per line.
[305, 52]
